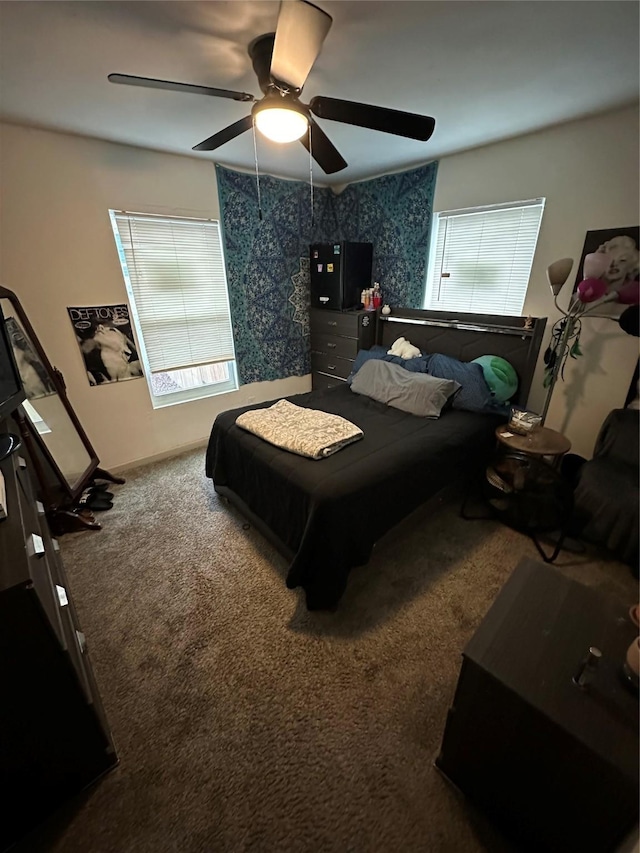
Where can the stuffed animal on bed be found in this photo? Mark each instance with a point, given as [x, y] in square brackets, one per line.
[403, 348]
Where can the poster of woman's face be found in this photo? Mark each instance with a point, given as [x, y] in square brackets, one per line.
[621, 244]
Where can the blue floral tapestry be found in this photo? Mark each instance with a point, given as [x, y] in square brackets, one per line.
[394, 213]
[268, 259]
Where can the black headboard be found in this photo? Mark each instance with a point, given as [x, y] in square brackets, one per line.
[467, 336]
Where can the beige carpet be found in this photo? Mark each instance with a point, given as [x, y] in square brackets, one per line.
[245, 723]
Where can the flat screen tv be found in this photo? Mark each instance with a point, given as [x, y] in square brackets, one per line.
[11, 390]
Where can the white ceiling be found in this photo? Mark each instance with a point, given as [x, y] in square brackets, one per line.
[486, 70]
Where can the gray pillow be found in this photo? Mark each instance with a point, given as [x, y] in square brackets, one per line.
[416, 393]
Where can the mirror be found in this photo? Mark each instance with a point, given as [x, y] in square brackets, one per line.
[44, 407]
[65, 461]
[53, 424]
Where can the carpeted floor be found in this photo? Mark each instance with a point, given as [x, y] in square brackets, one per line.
[245, 723]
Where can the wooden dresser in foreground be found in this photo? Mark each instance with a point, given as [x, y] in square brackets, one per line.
[54, 737]
[554, 764]
[336, 337]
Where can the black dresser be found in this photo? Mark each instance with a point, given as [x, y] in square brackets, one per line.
[554, 764]
[54, 737]
[336, 337]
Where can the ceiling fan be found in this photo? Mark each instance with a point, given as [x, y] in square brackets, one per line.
[282, 62]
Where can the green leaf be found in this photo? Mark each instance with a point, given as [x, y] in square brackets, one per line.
[575, 350]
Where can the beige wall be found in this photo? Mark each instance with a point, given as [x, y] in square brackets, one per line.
[588, 173]
[57, 250]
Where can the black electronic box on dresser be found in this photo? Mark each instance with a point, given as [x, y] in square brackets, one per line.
[339, 272]
[336, 337]
[54, 737]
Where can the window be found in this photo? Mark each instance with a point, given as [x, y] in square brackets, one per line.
[175, 276]
[481, 257]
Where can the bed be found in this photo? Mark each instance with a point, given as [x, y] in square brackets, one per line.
[325, 516]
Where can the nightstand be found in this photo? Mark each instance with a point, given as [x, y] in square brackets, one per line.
[525, 488]
[542, 442]
[555, 765]
[530, 495]
[336, 337]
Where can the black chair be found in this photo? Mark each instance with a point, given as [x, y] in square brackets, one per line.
[606, 497]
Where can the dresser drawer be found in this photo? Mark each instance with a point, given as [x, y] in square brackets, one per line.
[335, 323]
[334, 346]
[321, 363]
[31, 512]
[44, 586]
[22, 475]
[320, 381]
[75, 644]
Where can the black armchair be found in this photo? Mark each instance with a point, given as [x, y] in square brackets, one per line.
[607, 499]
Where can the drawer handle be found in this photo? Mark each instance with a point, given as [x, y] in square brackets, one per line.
[22, 462]
[332, 346]
[332, 322]
[331, 366]
[39, 507]
[35, 545]
[62, 595]
[81, 640]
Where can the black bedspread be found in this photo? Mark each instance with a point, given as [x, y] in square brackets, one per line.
[329, 513]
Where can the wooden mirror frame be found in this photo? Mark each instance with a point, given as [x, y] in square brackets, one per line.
[60, 498]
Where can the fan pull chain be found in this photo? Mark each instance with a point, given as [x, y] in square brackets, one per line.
[311, 171]
[255, 154]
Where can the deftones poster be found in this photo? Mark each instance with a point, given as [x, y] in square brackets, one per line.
[106, 342]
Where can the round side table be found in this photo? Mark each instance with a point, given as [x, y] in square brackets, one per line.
[524, 487]
[528, 493]
[541, 442]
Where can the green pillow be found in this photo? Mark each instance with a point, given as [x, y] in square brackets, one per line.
[499, 376]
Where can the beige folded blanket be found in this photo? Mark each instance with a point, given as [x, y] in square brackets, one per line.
[307, 432]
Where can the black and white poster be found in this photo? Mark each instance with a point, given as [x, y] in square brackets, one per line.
[106, 342]
[35, 379]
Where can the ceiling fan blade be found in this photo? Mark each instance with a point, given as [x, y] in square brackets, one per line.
[170, 85]
[376, 118]
[323, 150]
[225, 135]
[301, 30]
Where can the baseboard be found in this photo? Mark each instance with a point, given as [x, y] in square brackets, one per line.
[158, 457]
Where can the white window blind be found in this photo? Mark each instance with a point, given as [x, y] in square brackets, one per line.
[177, 277]
[481, 258]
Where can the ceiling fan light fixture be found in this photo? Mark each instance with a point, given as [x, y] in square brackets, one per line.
[282, 61]
[280, 124]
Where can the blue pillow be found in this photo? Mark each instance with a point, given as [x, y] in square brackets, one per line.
[474, 395]
[414, 365]
[363, 356]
